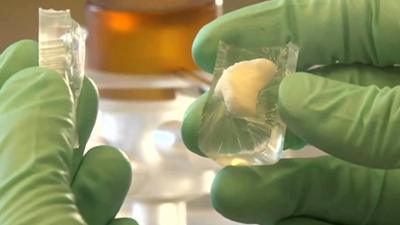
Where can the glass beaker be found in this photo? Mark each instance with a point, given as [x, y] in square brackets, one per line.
[139, 53]
[135, 45]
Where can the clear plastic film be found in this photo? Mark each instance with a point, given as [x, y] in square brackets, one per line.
[62, 48]
[232, 139]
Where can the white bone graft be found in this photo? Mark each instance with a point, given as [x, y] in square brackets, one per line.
[241, 83]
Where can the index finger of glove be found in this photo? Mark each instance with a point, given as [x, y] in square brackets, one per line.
[327, 32]
[357, 123]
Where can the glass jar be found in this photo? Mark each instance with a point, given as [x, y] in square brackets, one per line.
[145, 42]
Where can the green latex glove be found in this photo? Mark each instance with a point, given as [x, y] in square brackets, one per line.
[43, 180]
[349, 110]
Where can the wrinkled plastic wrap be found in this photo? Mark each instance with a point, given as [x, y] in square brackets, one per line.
[62, 48]
[252, 140]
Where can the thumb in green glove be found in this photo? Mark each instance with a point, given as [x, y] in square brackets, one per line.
[43, 180]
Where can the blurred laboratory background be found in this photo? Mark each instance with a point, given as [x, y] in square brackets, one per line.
[139, 55]
[19, 17]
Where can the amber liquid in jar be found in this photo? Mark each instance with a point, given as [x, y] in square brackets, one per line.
[144, 39]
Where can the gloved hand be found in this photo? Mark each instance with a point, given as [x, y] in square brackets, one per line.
[348, 109]
[43, 180]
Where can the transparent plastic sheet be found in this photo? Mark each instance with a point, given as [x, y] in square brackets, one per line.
[236, 140]
[62, 48]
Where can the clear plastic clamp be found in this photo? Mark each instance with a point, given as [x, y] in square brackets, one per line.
[62, 48]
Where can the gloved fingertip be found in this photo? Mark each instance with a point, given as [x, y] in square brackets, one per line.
[18, 56]
[237, 190]
[106, 154]
[25, 44]
[89, 86]
[204, 49]
[87, 110]
[227, 188]
[101, 184]
[191, 125]
[23, 53]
